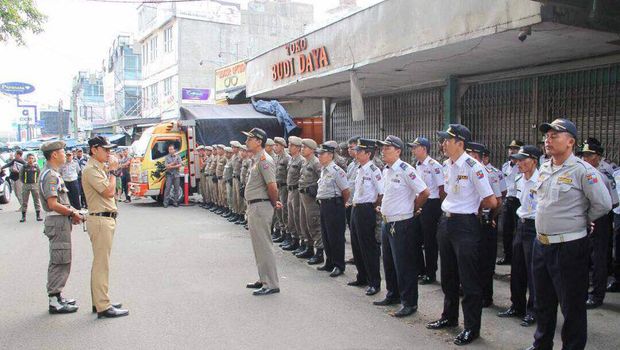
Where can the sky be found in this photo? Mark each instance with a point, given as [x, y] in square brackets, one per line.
[77, 36]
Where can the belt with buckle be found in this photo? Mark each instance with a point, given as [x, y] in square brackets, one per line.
[395, 218]
[454, 215]
[252, 201]
[105, 214]
[363, 204]
[526, 221]
[331, 199]
[559, 238]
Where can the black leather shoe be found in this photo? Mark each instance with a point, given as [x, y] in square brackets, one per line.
[233, 218]
[528, 320]
[386, 301]
[317, 258]
[265, 291]
[114, 305]
[301, 248]
[325, 268]
[336, 272]
[112, 312]
[441, 324]
[503, 261]
[306, 254]
[467, 336]
[405, 311]
[372, 290]
[511, 312]
[292, 246]
[62, 309]
[356, 283]
[285, 242]
[67, 301]
[592, 303]
[427, 280]
[255, 285]
[613, 287]
[487, 302]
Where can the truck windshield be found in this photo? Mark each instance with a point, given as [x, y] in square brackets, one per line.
[140, 146]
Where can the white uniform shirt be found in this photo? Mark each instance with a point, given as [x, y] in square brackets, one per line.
[466, 184]
[510, 175]
[332, 182]
[494, 181]
[500, 176]
[608, 175]
[351, 174]
[368, 184]
[526, 190]
[402, 183]
[432, 174]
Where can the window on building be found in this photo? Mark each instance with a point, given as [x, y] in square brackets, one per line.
[132, 99]
[145, 53]
[168, 39]
[145, 98]
[153, 48]
[132, 66]
[168, 86]
[153, 95]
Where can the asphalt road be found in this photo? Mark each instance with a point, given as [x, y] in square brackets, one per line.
[182, 272]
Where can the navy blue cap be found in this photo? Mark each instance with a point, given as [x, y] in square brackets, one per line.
[366, 145]
[527, 151]
[392, 140]
[100, 141]
[590, 148]
[420, 141]
[256, 133]
[561, 125]
[456, 131]
[475, 147]
[515, 144]
[354, 139]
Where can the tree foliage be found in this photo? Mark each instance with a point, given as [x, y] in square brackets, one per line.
[18, 17]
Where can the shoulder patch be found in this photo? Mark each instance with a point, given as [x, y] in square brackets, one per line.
[471, 162]
[480, 174]
[373, 167]
[591, 178]
[404, 166]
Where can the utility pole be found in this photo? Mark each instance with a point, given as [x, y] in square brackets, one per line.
[76, 92]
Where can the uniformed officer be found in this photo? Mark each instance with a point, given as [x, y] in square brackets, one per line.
[614, 286]
[510, 204]
[261, 195]
[221, 184]
[60, 216]
[404, 194]
[228, 181]
[99, 184]
[282, 158]
[521, 278]
[431, 173]
[208, 159]
[366, 197]
[351, 174]
[237, 163]
[243, 180]
[599, 237]
[488, 243]
[310, 216]
[269, 147]
[570, 196]
[173, 187]
[215, 158]
[333, 192]
[201, 156]
[29, 176]
[293, 173]
[467, 189]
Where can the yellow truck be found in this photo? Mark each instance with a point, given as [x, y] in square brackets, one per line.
[196, 125]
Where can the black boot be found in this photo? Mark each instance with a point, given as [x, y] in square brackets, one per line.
[287, 239]
[227, 213]
[233, 217]
[294, 245]
[301, 248]
[23, 217]
[39, 216]
[219, 210]
[281, 237]
[317, 258]
[214, 208]
[306, 254]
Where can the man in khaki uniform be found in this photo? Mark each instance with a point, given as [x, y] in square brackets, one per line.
[221, 184]
[208, 158]
[228, 182]
[213, 179]
[282, 234]
[99, 186]
[310, 215]
[243, 180]
[261, 195]
[200, 154]
[292, 202]
[58, 219]
[237, 161]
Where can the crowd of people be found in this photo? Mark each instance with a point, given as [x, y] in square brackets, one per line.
[551, 202]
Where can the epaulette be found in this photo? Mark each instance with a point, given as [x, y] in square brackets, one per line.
[471, 162]
[263, 158]
[373, 167]
[404, 166]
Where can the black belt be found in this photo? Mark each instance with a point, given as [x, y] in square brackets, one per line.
[332, 199]
[454, 215]
[527, 221]
[303, 190]
[511, 199]
[293, 187]
[252, 201]
[363, 204]
[106, 214]
[219, 177]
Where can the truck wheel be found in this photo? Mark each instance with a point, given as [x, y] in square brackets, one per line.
[6, 193]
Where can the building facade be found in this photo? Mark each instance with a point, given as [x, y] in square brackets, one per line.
[87, 101]
[122, 79]
[182, 44]
[501, 67]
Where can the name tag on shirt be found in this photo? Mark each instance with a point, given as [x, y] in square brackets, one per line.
[565, 180]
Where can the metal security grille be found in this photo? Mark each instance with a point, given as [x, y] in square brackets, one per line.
[497, 112]
[407, 115]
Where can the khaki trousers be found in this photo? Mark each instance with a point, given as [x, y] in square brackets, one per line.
[292, 204]
[101, 232]
[27, 190]
[57, 228]
[259, 222]
[237, 200]
[283, 213]
[221, 192]
[310, 221]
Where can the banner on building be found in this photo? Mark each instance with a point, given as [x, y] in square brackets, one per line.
[193, 94]
[229, 78]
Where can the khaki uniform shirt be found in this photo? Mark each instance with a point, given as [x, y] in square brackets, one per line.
[237, 163]
[52, 185]
[245, 168]
[212, 165]
[310, 172]
[262, 173]
[294, 170]
[221, 163]
[95, 181]
[282, 168]
[228, 169]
